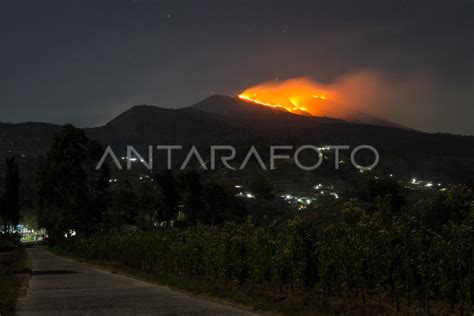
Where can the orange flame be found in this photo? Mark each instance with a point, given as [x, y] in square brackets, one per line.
[299, 96]
[346, 97]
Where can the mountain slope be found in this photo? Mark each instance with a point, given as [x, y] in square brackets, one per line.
[242, 113]
[364, 118]
[150, 125]
[28, 138]
[267, 117]
[223, 120]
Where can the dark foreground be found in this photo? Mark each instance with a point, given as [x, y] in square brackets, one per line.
[60, 286]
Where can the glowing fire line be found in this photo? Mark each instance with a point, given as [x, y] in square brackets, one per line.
[293, 101]
[242, 96]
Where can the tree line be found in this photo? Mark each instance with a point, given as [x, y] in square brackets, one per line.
[73, 197]
[374, 247]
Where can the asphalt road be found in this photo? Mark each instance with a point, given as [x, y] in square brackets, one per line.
[60, 286]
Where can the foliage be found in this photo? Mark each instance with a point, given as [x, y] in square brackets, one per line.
[169, 192]
[360, 257]
[259, 185]
[373, 248]
[123, 204]
[72, 194]
[10, 206]
[192, 195]
[216, 203]
[388, 190]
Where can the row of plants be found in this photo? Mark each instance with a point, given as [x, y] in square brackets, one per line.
[361, 257]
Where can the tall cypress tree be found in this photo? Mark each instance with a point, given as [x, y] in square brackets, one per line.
[11, 205]
[216, 203]
[169, 191]
[3, 213]
[192, 197]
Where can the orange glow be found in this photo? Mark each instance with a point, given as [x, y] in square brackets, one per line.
[299, 96]
[350, 97]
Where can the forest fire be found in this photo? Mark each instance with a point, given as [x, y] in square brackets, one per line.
[299, 96]
[355, 97]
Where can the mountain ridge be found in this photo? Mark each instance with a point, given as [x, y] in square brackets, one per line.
[209, 123]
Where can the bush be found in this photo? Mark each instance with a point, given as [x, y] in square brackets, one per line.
[361, 255]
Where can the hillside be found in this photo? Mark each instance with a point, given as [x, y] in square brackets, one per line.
[225, 120]
[242, 113]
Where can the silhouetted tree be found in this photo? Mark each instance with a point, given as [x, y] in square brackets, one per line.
[98, 185]
[236, 210]
[3, 214]
[260, 187]
[452, 205]
[170, 197]
[147, 203]
[192, 195]
[389, 190]
[72, 194]
[215, 199]
[11, 206]
[123, 205]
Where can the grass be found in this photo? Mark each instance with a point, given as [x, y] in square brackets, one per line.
[14, 275]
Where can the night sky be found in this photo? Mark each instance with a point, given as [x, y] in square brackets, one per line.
[83, 62]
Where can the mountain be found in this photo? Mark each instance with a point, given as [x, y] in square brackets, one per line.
[359, 117]
[25, 139]
[221, 120]
[225, 120]
[150, 125]
[238, 112]
[212, 120]
[241, 111]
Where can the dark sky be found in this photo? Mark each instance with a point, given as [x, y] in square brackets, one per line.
[83, 62]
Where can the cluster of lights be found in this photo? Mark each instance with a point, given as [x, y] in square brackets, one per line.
[415, 181]
[247, 195]
[70, 233]
[365, 169]
[324, 148]
[302, 201]
[319, 187]
[133, 159]
[145, 176]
